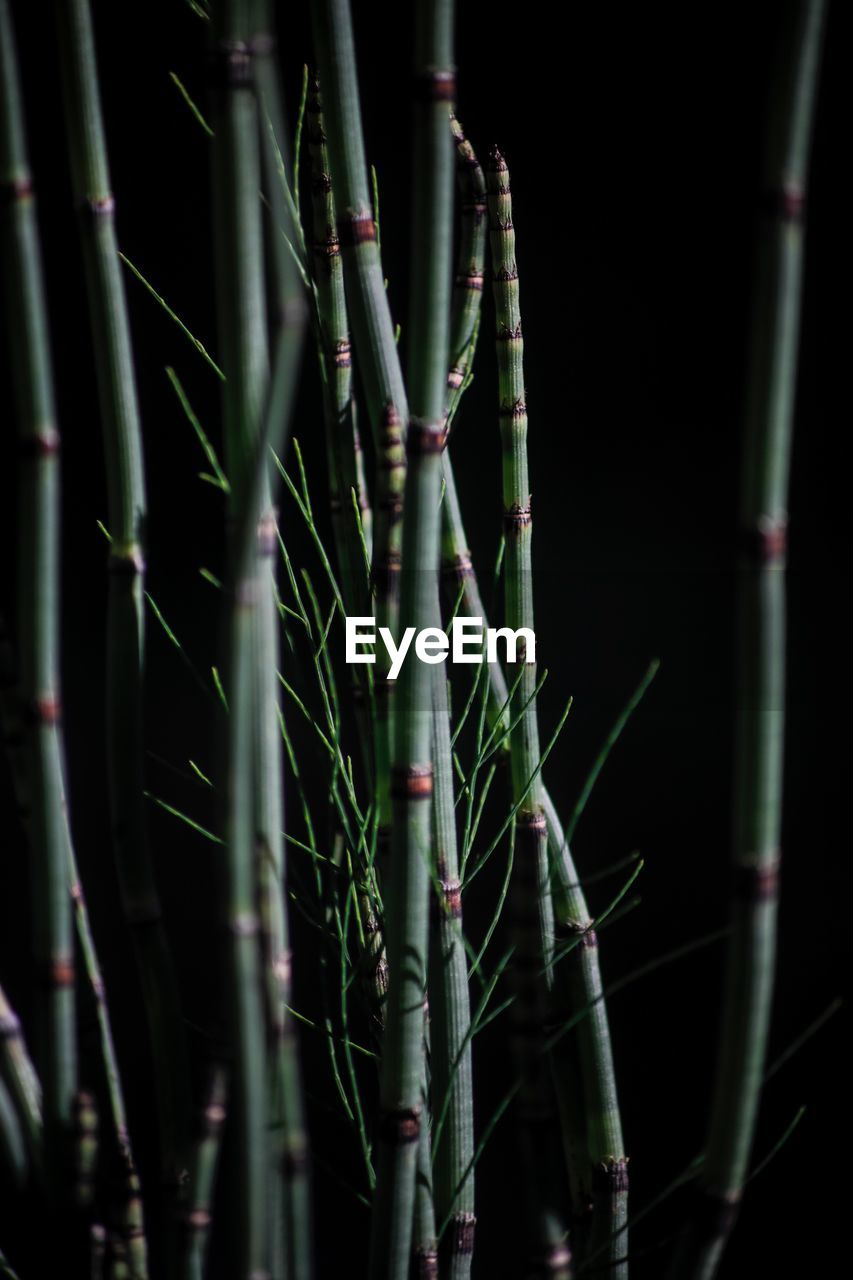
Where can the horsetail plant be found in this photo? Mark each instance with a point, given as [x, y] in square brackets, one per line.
[369, 862]
[759, 744]
[530, 829]
[412, 769]
[38, 587]
[126, 622]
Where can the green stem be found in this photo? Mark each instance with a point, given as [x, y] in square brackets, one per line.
[202, 1177]
[412, 772]
[125, 630]
[530, 827]
[290, 1215]
[38, 597]
[450, 1015]
[759, 739]
[242, 326]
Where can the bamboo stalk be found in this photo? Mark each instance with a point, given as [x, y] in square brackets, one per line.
[125, 628]
[759, 735]
[412, 773]
[38, 596]
[452, 1083]
[530, 828]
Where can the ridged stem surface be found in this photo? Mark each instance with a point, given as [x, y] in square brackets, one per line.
[412, 770]
[530, 828]
[759, 728]
[38, 609]
[125, 627]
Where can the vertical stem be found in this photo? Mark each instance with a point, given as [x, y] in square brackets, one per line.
[290, 1216]
[202, 1177]
[125, 633]
[375, 349]
[38, 598]
[242, 326]
[760, 696]
[530, 825]
[450, 1007]
[342, 441]
[412, 772]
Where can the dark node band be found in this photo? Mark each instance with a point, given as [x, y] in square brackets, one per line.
[513, 411]
[517, 518]
[785, 204]
[128, 563]
[356, 229]
[198, 1219]
[765, 541]
[58, 972]
[17, 190]
[425, 438]
[230, 65]
[496, 162]
[754, 884]
[455, 378]
[400, 1126]
[458, 566]
[46, 710]
[506, 275]
[411, 782]
[99, 206]
[471, 281]
[451, 891]
[267, 536]
[328, 248]
[576, 931]
[505, 334]
[343, 360]
[610, 1177]
[42, 443]
[435, 86]
[462, 1229]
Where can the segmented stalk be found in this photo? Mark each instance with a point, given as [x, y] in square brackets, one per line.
[759, 739]
[202, 1177]
[412, 773]
[126, 623]
[530, 829]
[342, 442]
[242, 328]
[375, 350]
[424, 1239]
[38, 602]
[290, 1214]
[450, 1007]
[372, 328]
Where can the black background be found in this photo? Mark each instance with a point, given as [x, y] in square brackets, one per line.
[633, 133]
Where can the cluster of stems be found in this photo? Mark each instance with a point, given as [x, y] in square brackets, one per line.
[394, 887]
